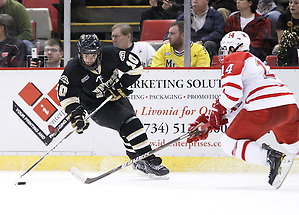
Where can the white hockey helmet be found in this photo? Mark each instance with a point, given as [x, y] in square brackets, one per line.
[232, 42]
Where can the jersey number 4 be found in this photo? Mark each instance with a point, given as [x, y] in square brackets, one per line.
[227, 71]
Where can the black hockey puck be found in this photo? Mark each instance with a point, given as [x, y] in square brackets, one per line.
[21, 183]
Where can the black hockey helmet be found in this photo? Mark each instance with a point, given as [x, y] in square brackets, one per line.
[89, 44]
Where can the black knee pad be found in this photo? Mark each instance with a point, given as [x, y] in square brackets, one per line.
[130, 126]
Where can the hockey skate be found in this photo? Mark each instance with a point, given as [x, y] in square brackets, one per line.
[140, 167]
[153, 168]
[280, 165]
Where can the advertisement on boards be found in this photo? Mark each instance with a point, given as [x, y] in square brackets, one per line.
[168, 101]
[165, 100]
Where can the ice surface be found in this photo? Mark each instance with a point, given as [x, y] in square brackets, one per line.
[124, 193]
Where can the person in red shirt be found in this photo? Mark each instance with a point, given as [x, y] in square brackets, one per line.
[256, 26]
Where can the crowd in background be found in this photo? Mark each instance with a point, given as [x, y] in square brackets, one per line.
[271, 24]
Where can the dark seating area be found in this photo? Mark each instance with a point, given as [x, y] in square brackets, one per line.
[45, 4]
[115, 2]
[100, 19]
[92, 16]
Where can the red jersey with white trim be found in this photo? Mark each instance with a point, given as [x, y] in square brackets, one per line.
[246, 79]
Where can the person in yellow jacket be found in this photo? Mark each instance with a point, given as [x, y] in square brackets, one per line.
[172, 53]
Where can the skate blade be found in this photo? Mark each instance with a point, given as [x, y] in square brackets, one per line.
[139, 172]
[285, 168]
[155, 177]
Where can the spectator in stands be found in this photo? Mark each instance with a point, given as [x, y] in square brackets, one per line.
[162, 9]
[172, 54]
[207, 26]
[21, 18]
[288, 20]
[269, 10]
[256, 26]
[288, 33]
[226, 7]
[122, 37]
[12, 49]
[53, 53]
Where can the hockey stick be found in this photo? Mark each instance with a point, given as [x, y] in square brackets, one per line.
[54, 147]
[80, 176]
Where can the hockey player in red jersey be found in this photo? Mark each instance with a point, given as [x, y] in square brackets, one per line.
[254, 101]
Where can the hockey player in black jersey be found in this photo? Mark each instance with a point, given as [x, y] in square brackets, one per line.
[91, 77]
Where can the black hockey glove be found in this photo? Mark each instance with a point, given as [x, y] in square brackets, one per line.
[118, 91]
[77, 118]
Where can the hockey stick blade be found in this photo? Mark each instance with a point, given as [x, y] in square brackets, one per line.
[76, 172]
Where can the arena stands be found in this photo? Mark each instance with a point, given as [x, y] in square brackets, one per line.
[100, 16]
[45, 4]
[271, 60]
[153, 31]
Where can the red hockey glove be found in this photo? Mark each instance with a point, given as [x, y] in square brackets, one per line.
[217, 117]
[198, 134]
[77, 118]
